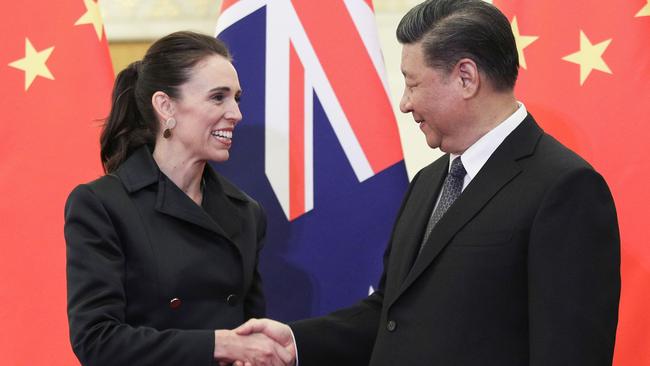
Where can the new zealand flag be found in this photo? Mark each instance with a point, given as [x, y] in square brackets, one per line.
[318, 147]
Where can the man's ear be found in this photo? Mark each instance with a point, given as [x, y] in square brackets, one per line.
[163, 105]
[468, 77]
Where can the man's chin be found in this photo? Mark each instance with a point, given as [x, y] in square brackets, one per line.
[433, 143]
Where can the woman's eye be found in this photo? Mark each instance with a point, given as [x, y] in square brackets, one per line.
[237, 98]
[218, 97]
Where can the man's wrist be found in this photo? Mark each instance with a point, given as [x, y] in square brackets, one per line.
[295, 345]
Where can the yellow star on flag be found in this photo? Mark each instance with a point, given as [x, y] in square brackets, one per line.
[589, 57]
[645, 11]
[92, 16]
[522, 41]
[33, 64]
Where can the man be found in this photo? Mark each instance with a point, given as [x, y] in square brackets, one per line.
[522, 267]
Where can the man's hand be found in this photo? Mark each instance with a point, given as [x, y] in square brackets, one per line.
[280, 333]
[251, 349]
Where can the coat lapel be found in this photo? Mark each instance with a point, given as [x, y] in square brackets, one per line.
[172, 201]
[501, 168]
[140, 170]
[226, 204]
[220, 201]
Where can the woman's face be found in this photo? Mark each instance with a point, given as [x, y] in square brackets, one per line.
[207, 110]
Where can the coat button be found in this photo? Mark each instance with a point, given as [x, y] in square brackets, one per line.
[232, 299]
[175, 303]
[391, 326]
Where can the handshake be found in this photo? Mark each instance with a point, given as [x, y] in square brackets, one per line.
[256, 342]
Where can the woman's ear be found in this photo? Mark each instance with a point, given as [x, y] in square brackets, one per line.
[163, 105]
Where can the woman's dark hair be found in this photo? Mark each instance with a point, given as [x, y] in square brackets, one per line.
[165, 67]
[454, 29]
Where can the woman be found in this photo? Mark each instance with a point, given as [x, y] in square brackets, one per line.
[162, 252]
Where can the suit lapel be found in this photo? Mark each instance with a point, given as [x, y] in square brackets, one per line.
[501, 168]
[421, 201]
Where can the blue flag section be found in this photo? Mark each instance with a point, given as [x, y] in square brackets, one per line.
[329, 182]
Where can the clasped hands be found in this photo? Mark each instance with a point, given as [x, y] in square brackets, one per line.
[256, 342]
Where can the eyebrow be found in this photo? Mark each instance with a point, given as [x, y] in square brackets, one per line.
[224, 89]
[220, 88]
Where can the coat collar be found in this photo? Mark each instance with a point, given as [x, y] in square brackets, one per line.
[499, 169]
[221, 198]
[139, 170]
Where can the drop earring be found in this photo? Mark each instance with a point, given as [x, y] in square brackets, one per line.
[170, 123]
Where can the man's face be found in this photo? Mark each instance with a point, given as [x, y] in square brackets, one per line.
[433, 97]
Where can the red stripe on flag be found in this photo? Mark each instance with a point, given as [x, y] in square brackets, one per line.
[227, 3]
[296, 136]
[354, 79]
[369, 2]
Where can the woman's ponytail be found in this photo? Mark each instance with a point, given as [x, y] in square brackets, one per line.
[125, 129]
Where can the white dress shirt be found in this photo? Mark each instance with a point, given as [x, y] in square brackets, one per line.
[476, 155]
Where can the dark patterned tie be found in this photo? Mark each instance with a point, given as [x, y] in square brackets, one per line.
[451, 189]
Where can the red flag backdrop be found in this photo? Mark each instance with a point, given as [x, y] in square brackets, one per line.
[587, 80]
[56, 79]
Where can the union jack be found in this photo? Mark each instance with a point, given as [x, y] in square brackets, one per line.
[348, 77]
[310, 69]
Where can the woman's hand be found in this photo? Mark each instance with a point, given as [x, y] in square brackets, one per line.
[253, 349]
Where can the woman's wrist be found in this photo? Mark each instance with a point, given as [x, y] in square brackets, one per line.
[221, 341]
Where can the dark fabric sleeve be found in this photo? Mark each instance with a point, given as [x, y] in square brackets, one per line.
[96, 298]
[346, 337]
[574, 273]
[255, 304]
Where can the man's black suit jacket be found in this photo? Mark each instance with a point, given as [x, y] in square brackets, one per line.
[150, 274]
[523, 269]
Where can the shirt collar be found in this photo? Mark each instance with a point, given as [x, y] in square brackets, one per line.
[476, 155]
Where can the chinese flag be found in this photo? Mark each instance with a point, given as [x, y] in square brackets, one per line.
[585, 76]
[56, 80]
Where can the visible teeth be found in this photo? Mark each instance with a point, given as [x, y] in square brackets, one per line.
[223, 134]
